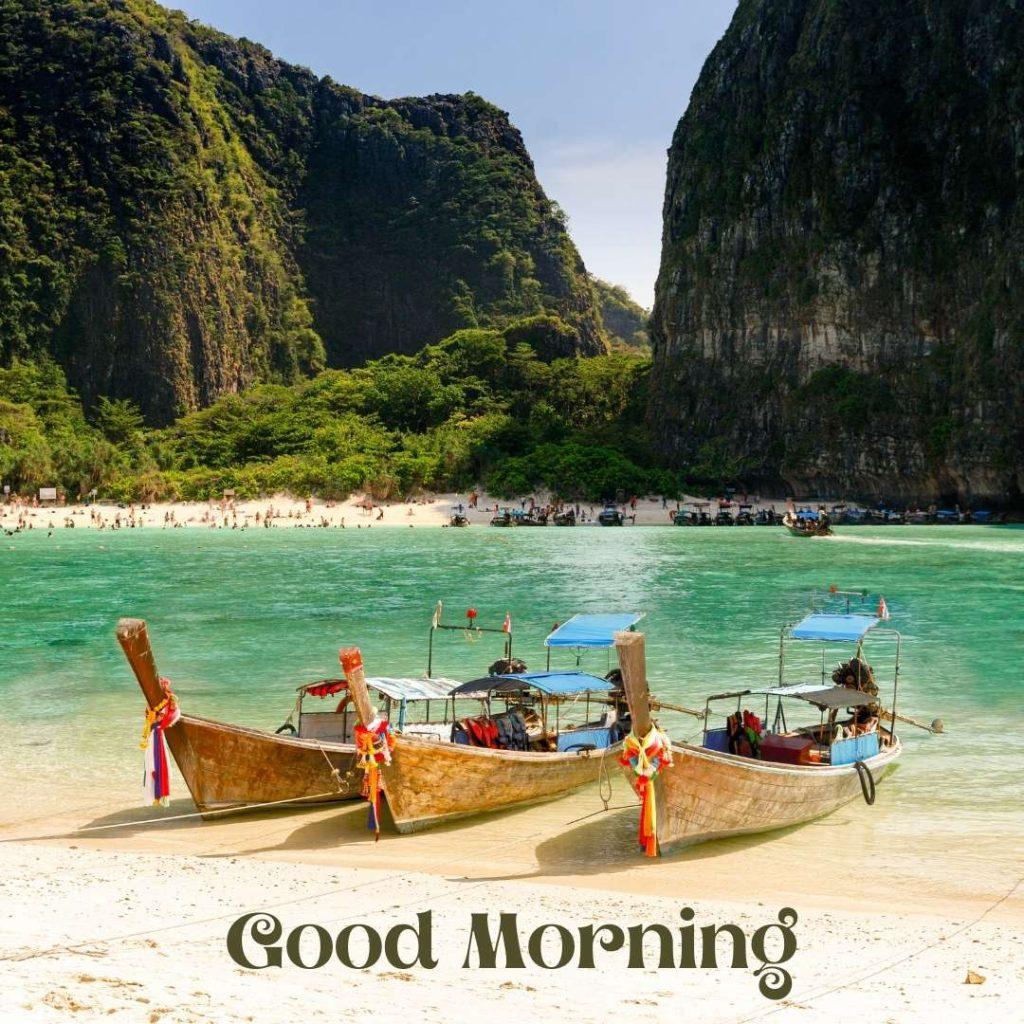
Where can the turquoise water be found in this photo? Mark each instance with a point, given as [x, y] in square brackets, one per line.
[238, 620]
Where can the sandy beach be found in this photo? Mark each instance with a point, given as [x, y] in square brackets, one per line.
[286, 512]
[130, 923]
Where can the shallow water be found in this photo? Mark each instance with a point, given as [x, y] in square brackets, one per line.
[239, 619]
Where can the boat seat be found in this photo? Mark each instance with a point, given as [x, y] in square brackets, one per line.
[326, 725]
[439, 731]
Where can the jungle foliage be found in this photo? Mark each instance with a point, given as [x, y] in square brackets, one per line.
[480, 406]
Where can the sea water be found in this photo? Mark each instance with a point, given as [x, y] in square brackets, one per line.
[239, 619]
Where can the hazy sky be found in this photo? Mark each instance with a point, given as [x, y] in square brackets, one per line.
[595, 86]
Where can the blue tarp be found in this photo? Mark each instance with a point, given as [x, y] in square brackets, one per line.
[849, 628]
[558, 684]
[856, 748]
[591, 631]
[599, 738]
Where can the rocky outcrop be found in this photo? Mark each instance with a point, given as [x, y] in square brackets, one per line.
[840, 306]
[182, 214]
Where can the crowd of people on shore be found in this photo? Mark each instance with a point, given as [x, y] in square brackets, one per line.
[18, 515]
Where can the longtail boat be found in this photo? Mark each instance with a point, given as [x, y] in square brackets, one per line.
[548, 736]
[611, 515]
[806, 522]
[747, 777]
[310, 759]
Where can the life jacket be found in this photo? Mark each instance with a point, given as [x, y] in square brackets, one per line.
[483, 732]
[512, 735]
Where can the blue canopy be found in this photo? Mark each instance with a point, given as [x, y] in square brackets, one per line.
[555, 684]
[592, 631]
[848, 628]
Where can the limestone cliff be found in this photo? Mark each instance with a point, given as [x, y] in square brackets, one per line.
[181, 213]
[840, 306]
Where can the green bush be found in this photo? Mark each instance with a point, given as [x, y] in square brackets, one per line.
[478, 406]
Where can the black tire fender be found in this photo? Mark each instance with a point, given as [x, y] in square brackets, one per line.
[867, 782]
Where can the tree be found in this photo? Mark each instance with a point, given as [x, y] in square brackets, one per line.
[120, 420]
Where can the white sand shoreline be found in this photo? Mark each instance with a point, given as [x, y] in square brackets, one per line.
[147, 942]
[358, 512]
[131, 923]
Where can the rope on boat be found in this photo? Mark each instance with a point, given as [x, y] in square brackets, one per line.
[202, 814]
[335, 772]
[602, 778]
[504, 844]
[867, 782]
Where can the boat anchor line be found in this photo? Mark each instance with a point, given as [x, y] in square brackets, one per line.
[335, 773]
[504, 844]
[194, 814]
[881, 968]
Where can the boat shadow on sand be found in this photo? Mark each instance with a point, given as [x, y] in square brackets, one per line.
[598, 843]
[332, 825]
[608, 843]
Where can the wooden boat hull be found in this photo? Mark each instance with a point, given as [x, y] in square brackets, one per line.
[709, 795]
[797, 531]
[428, 782]
[230, 767]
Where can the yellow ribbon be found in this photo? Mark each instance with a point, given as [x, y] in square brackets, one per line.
[645, 770]
[153, 715]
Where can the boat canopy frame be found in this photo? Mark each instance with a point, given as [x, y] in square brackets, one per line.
[825, 628]
[590, 632]
[552, 685]
[829, 628]
[469, 628]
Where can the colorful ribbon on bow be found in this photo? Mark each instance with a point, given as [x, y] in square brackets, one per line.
[374, 743]
[156, 780]
[647, 758]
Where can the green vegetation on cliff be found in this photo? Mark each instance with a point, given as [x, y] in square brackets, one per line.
[625, 320]
[481, 405]
[182, 215]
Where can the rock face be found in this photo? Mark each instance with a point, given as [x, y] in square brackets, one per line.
[840, 306]
[181, 213]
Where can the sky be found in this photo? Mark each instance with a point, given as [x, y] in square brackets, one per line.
[595, 86]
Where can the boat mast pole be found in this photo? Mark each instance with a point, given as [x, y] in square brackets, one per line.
[782, 652]
[895, 686]
[133, 636]
[633, 662]
[352, 663]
